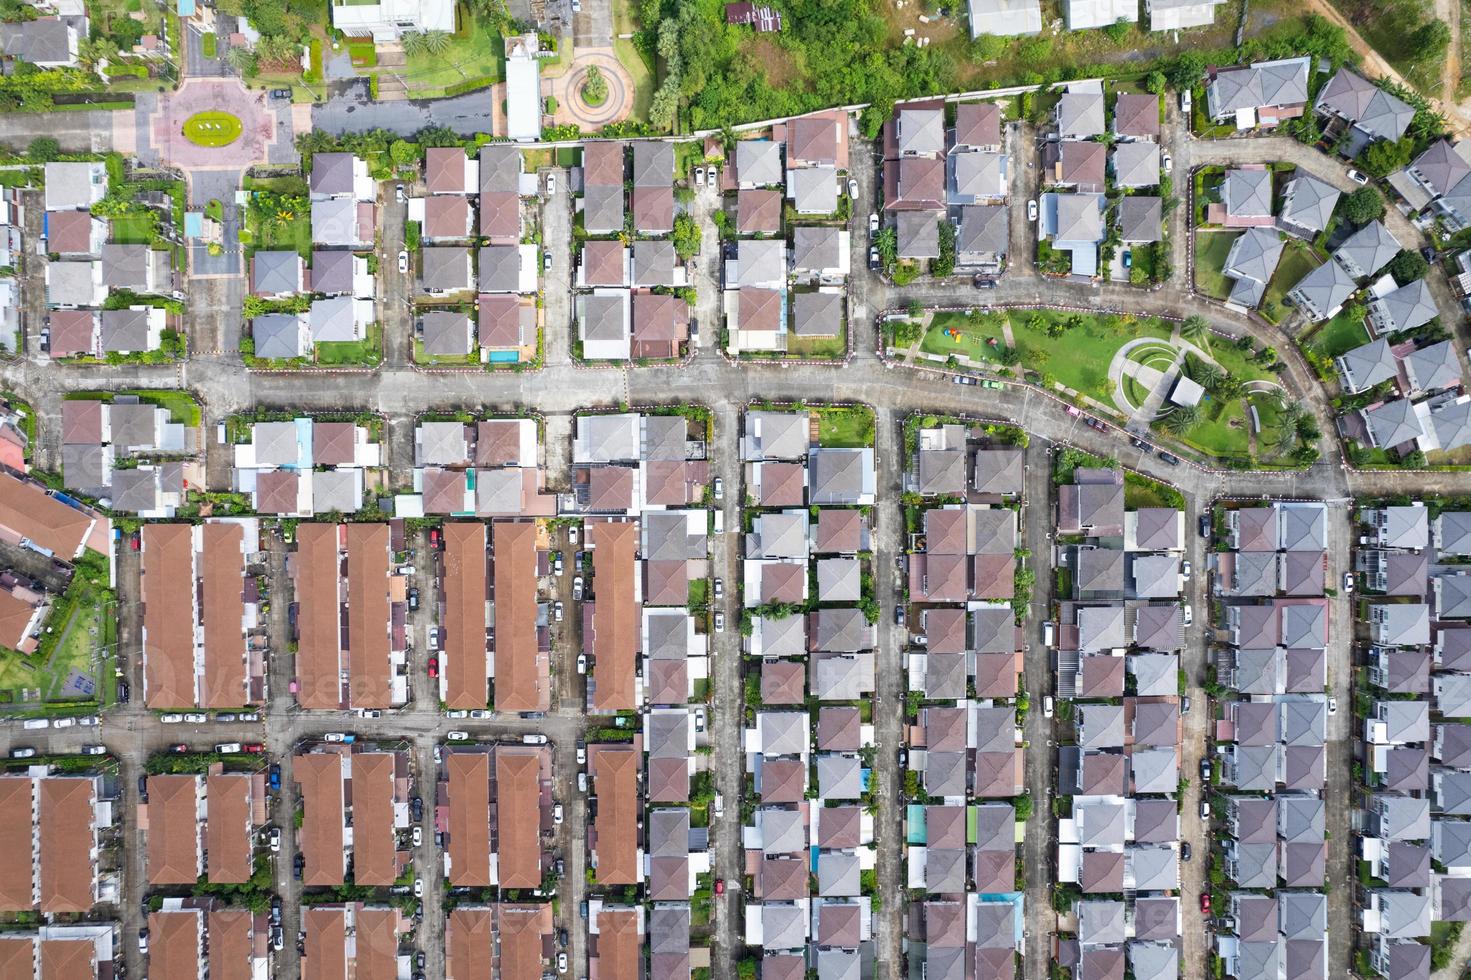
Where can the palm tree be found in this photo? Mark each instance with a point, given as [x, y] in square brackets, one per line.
[413, 43]
[242, 59]
[436, 42]
[1180, 419]
[1197, 330]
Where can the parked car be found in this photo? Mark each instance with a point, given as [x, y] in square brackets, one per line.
[1185, 705]
[551, 185]
[143, 942]
[577, 589]
[63, 723]
[720, 588]
[180, 749]
[1185, 570]
[582, 663]
[416, 807]
[535, 738]
[1205, 809]
[196, 718]
[561, 962]
[1357, 177]
[1167, 164]
[280, 93]
[403, 262]
[699, 177]
[699, 719]
[1047, 706]
[853, 188]
[275, 840]
[1348, 582]
[1189, 614]
[873, 224]
[720, 622]
[94, 750]
[582, 782]
[1185, 850]
[1205, 525]
[557, 611]
[1170, 458]
[298, 865]
[1205, 770]
[873, 257]
[457, 736]
[720, 886]
[23, 752]
[433, 666]
[1205, 903]
[718, 488]
[1333, 706]
[417, 836]
[546, 262]
[1031, 210]
[712, 177]
[557, 814]
[899, 615]
[582, 753]
[457, 714]
[480, 713]
[275, 777]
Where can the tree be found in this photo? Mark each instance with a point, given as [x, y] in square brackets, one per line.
[1118, 31]
[1187, 70]
[944, 264]
[594, 86]
[437, 42]
[1023, 805]
[1431, 40]
[43, 148]
[413, 43]
[987, 47]
[243, 60]
[1197, 330]
[663, 108]
[1180, 419]
[1363, 206]
[403, 153]
[1408, 266]
[686, 236]
[1155, 83]
[1383, 158]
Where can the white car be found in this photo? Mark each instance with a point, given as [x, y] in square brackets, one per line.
[1333, 706]
[434, 638]
[720, 622]
[457, 736]
[334, 737]
[712, 178]
[459, 713]
[572, 535]
[63, 723]
[557, 611]
[720, 588]
[88, 720]
[534, 739]
[403, 262]
[699, 719]
[1348, 582]
[418, 835]
[1189, 614]
[699, 177]
[719, 488]
[480, 713]
[853, 188]
[418, 887]
[1357, 177]
[582, 782]
[551, 185]
[1031, 210]
[557, 814]
[873, 223]
[582, 663]
[582, 755]
[228, 748]
[561, 962]
[94, 750]
[577, 588]
[196, 718]
[23, 753]
[275, 840]
[1167, 163]
[1047, 706]
[166, 719]
[1185, 570]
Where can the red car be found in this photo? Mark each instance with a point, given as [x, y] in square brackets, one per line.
[434, 537]
[720, 886]
[1205, 903]
[433, 666]
[253, 747]
[181, 747]
[136, 543]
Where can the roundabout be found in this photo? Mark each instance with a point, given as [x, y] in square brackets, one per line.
[594, 92]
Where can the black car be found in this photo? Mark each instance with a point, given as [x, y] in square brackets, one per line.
[123, 691]
[1205, 525]
[1170, 458]
[562, 938]
[280, 93]
[419, 959]
[413, 598]
[898, 615]
[1141, 445]
[1185, 850]
[981, 282]
[416, 805]
[298, 865]
[1205, 770]
[142, 789]
[275, 911]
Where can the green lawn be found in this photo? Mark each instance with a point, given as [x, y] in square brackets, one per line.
[284, 231]
[475, 58]
[1297, 261]
[420, 357]
[1342, 333]
[353, 353]
[83, 646]
[1222, 431]
[1211, 249]
[1134, 391]
[1389, 26]
[135, 229]
[839, 428]
[182, 407]
[831, 348]
[212, 129]
[638, 70]
[972, 339]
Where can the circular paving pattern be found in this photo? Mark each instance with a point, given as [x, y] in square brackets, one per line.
[607, 111]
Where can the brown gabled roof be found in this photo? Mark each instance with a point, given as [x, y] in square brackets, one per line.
[996, 675]
[782, 879]
[838, 729]
[653, 208]
[521, 670]
[669, 781]
[468, 776]
[994, 577]
[318, 617]
[500, 214]
[367, 616]
[376, 945]
[222, 569]
[69, 232]
[18, 957]
[374, 840]
[276, 491]
[173, 830]
[469, 946]
[839, 530]
[945, 630]
[464, 584]
[783, 966]
[783, 582]
[758, 309]
[610, 488]
[175, 944]
[444, 170]
[518, 816]
[615, 613]
[615, 782]
[604, 263]
[319, 774]
[68, 872]
[1136, 115]
[783, 682]
[31, 512]
[602, 164]
[839, 826]
[81, 422]
[666, 582]
[227, 832]
[783, 780]
[326, 943]
[977, 124]
[168, 615]
[812, 139]
[17, 875]
[231, 944]
[500, 321]
[619, 944]
[334, 443]
[758, 211]
[524, 930]
[497, 442]
[447, 217]
[783, 484]
[68, 958]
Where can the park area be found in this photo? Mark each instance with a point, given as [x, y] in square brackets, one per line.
[73, 666]
[212, 129]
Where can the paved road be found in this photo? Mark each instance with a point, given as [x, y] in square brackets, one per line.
[1040, 845]
[352, 111]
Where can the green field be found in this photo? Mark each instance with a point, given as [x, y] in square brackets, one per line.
[84, 630]
[353, 353]
[474, 58]
[1078, 358]
[839, 428]
[831, 348]
[1297, 261]
[135, 229]
[1342, 333]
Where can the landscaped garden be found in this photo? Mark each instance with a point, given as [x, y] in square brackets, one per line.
[1211, 249]
[278, 216]
[437, 64]
[73, 666]
[1298, 259]
[212, 129]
